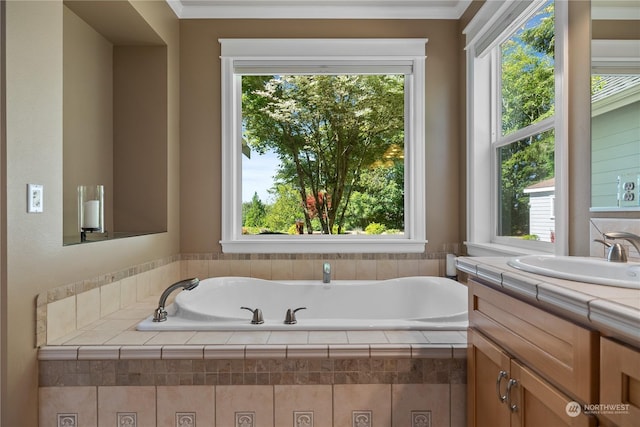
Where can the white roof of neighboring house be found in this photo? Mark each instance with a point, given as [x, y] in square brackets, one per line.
[538, 187]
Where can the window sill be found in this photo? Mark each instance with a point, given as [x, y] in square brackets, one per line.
[321, 244]
[495, 249]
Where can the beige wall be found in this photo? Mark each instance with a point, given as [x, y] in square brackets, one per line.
[36, 259]
[200, 116]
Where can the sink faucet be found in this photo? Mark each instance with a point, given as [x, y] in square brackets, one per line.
[629, 237]
[160, 315]
[615, 251]
[326, 272]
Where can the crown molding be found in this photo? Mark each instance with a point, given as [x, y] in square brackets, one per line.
[319, 9]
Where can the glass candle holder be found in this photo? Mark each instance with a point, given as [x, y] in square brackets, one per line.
[90, 209]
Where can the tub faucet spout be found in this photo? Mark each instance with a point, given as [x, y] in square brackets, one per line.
[326, 272]
[160, 315]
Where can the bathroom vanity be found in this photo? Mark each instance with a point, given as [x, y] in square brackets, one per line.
[546, 351]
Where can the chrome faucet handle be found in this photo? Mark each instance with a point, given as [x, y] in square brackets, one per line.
[257, 316]
[615, 253]
[290, 318]
[629, 237]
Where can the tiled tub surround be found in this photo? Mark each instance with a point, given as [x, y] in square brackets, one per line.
[95, 369]
[604, 225]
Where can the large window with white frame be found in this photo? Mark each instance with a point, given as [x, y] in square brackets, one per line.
[512, 126]
[323, 145]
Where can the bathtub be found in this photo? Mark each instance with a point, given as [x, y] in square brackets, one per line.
[408, 303]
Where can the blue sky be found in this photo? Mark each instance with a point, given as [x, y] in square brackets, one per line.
[257, 175]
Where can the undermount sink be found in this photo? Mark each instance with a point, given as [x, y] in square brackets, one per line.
[582, 269]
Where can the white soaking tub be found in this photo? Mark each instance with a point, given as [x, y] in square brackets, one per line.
[408, 303]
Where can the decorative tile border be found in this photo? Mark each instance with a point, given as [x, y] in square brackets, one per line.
[303, 419]
[362, 418]
[67, 420]
[69, 373]
[245, 419]
[420, 418]
[186, 419]
[127, 419]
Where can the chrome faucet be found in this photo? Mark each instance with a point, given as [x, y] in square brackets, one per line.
[160, 315]
[615, 252]
[257, 319]
[629, 237]
[290, 318]
[326, 272]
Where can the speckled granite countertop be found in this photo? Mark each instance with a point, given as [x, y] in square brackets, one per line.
[614, 311]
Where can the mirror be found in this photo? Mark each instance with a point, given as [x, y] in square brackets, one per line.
[615, 105]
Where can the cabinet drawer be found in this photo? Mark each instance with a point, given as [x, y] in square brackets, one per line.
[619, 383]
[559, 350]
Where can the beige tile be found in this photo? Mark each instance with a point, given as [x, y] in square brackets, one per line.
[289, 337]
[88, 307]
[261, 269]
[296, 403]
[386, 269]
[109, 298]
[366, 337]
[196, 268]
[239, 268]
[344, 269]
[119, 404]
[186, 406]
[61, 318]
[445, 337]
[304, 269]
[404, 337]
[78, 403]
[168, 338]
[210, 337]
[366, 401]
[282, 269]
[421, 400]
[458, 405]
[218, 268]
[253, 402]
[430, 267]
[409, 267]
[249, 337]
[128, 292]
[131, 338]
[92, 338]
[328, 337]
[365, 269]
[115, 325]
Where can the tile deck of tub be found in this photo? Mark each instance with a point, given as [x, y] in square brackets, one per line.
[115, 336]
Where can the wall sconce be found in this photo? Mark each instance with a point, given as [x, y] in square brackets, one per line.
[90, 210]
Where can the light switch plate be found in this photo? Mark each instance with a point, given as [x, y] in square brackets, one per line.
[35, 198]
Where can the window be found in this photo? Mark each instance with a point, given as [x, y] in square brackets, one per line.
[513, 127]
[323, 145]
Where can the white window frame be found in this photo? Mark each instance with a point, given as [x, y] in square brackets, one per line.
[314, 54]
[494, 23]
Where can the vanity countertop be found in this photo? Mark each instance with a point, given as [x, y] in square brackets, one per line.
[614, 311]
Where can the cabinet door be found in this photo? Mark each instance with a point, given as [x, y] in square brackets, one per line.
[620, 382]
[487, 378]
[534, 403]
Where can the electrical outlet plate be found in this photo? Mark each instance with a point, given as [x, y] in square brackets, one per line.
[35, 198]
[629, 190]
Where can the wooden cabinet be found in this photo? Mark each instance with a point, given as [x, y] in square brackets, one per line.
[619, 384]
[526, 366]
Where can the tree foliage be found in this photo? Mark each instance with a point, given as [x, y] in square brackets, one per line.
[326, 130]
[528, 94]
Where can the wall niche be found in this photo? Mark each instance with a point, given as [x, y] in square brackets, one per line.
[114, 118]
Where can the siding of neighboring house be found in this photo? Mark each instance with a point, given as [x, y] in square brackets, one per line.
[541, 217]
